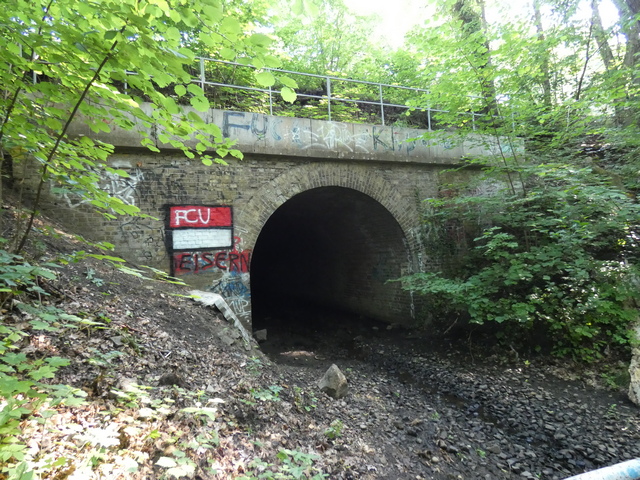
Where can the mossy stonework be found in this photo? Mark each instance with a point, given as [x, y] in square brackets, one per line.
[316, 211]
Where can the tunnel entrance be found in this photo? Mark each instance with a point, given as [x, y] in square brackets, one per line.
[329, 249]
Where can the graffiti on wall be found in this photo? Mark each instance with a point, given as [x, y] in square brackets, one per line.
[258, 125]
[332, 135]
[140, 235]
[234, 287]
[233, 284]
[234, 261]
[254, 127]
[199, 227]
[123, 188]
[200, 239]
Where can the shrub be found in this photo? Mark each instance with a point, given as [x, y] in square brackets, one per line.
[558, 258]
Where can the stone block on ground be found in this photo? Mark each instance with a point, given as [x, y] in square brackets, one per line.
[334, 383]
[260, 335]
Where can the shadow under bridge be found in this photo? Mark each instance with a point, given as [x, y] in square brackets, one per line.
[329, 249]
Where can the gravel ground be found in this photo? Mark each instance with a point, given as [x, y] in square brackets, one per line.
[418, 407]
[416, 410]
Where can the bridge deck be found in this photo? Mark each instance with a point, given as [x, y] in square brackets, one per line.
[306, 138]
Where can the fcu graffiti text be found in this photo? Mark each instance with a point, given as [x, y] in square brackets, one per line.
[199, 227]
[197, 216]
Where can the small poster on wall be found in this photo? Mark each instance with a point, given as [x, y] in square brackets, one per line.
[198, 228]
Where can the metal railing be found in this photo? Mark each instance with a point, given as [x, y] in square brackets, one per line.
[201, 76]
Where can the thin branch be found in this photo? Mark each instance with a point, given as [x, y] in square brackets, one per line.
[546, 79]
[586, 62]
[496, 133]
[62, 134]
[19, 89]
[10, 107]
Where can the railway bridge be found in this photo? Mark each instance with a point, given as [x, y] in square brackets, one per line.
[317, 211]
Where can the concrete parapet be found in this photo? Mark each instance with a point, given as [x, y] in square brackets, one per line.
[304, 138]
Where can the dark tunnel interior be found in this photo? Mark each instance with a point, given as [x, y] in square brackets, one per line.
[328, 249]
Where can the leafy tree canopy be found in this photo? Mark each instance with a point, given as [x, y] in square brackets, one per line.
[101, 60]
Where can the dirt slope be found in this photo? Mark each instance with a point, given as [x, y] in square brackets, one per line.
[168, 397]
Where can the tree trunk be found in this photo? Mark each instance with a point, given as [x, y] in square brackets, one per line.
[601, 37]
[474, 26]
[628, 11]
[606, 54]
[544, 64]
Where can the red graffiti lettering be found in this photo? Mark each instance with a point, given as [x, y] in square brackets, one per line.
[233, 262]
[239, 262]
[185, 263]
[197, 262]
[208, 260]
[221, 258]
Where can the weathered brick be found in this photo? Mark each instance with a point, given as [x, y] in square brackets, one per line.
[383, 224]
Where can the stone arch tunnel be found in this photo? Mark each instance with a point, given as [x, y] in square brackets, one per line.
[330, 248]
[329, 211]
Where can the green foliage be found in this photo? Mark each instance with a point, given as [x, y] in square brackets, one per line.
[19, 276]
[29, 387]
[205, 413]
[549, 249]
[326, 42]
[25, 391]
[177, 466]
[304, 400]
[616, 377]
[255, 366]
[334, 430]
[97, 281]
[560, 259]
[81, 57]
[290, 465]
[95, 62]
[270, 394]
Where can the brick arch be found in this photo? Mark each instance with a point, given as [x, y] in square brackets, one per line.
[253, 215]
[360, 280]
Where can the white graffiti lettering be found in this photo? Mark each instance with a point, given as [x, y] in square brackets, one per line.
[123, 188]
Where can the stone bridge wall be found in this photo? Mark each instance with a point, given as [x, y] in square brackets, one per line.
[284, 157]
